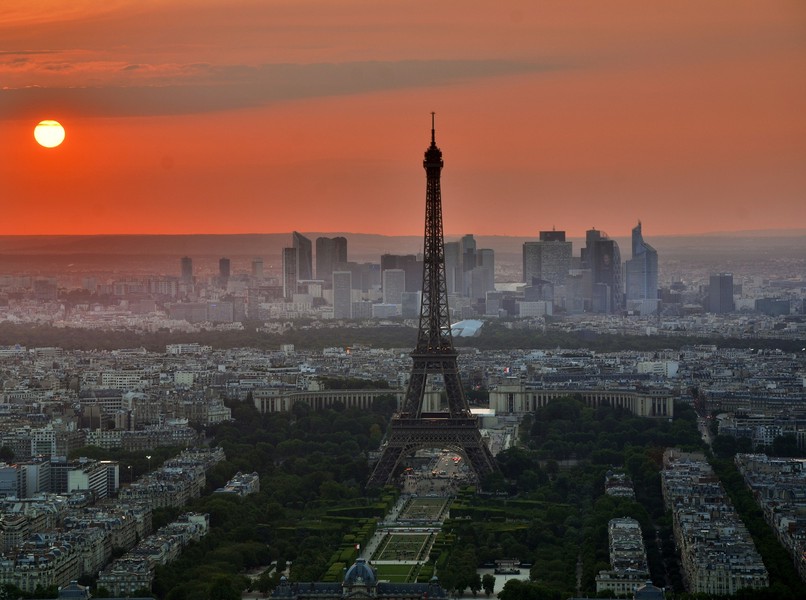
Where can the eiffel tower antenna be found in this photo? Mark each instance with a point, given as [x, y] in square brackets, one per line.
[413, 428]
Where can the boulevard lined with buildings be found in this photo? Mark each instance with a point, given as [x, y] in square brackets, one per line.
[717, 553]
[779, 487]
[53, 537]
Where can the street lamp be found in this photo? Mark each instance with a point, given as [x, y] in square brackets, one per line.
[131, 475]
[148, 456]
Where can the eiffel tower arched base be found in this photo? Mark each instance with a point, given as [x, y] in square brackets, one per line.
[432, 430]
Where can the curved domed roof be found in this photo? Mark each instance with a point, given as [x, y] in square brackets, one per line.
[360, 573]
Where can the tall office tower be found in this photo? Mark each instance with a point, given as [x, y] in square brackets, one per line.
[186, 266]
[410, 308]
[552, 236]
[479, 280]
[532, 262]
[342, 295]
[453, 267]
[493, 307]
[289, 273]
[468, 248]
[410, 264]
[394, 285]
[485, 258]
[223, 271]
[304, 256]
[642, 274]
[330, 253]
[547, 260]
[257, 268]
[720, 293]
[591, 237]
[362, 309]
[604, 260]
[366, 276]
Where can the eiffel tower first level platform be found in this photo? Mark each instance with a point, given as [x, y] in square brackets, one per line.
[432, 430]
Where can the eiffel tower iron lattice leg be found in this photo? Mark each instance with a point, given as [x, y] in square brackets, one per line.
[412, 428]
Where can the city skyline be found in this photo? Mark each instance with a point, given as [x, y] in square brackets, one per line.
[262, 117]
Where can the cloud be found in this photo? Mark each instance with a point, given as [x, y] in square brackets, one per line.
[217, 88]
[24, 52]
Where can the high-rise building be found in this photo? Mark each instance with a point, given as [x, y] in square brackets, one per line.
[394, 285]
[547, 260]
[257, 268]
[411, 304]
[552, 236]
[453, 267]
[330, 253]
[720, 293]
[366, 276]
[289, 273]
[410, 264]
[462, 258]
[479, 282]
[304, 256]
[223, 271]
[362, 309]
[591, 237]
[642, 274]
[485, 259]
[603, 258]
[186, 266]
[493, 306]
[468, 249]
[342, 295]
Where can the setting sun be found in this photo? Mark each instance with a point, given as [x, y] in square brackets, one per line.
[49, 133]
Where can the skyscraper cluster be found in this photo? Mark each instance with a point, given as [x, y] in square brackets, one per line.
[330, 254]
[593, 281]
[389, 288]
[470, 272]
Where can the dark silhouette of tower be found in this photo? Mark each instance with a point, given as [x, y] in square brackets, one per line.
[187, 269]
[223, 271]
[602, 256]
[720, 293]
[304, 256]
[642, 274]
[413, 428]
[331, 255]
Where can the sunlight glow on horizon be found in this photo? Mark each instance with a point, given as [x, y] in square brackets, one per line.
[569, 115]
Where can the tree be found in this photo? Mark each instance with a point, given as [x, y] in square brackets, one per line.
[475, 583]
[224, 588]
[724, 446]
[786, 445]
[9, 592]
[488, 583]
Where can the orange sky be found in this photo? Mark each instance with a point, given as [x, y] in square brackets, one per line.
[230, 116]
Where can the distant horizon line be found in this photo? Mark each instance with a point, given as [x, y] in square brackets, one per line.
[772, 231]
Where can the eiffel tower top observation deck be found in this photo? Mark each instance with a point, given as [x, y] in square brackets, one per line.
[434, 354]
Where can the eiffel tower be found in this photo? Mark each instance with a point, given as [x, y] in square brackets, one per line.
[412, 429]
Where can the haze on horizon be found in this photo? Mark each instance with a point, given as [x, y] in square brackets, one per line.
[255, 116]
